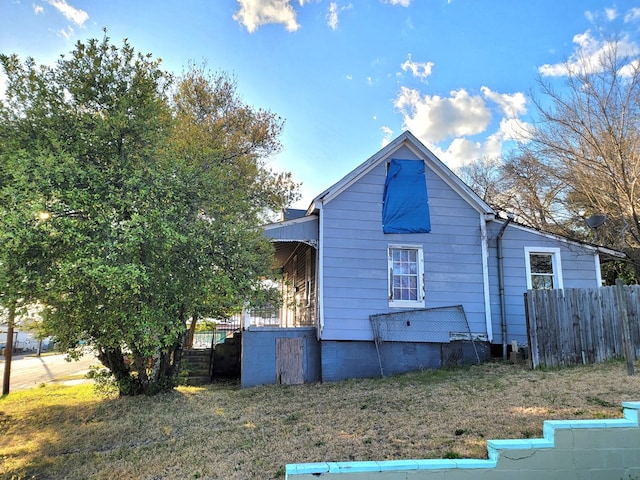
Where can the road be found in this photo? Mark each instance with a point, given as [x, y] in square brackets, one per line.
[31, 371]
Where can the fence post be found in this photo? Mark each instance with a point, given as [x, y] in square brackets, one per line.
[624, 322]
[246, 317]
[532, 331]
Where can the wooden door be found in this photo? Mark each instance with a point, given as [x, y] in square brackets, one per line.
[289, 361]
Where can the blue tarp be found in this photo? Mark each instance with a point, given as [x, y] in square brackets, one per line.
[405, 207]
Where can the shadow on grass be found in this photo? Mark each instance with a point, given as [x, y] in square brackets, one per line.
[71, 432]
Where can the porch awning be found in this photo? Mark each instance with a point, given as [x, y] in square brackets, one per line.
[289, 236]
[304, 229]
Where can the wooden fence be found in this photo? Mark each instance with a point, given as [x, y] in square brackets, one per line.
[581, 326]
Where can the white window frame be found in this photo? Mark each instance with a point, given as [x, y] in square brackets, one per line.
[556, 263]
[420, 276]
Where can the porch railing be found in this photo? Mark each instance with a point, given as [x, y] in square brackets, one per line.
[223, 330]
[269, 317]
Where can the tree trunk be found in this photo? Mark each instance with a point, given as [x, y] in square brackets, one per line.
[153, 375]
[177, 356]
[8, 351]
[192, 331]
[114, 360]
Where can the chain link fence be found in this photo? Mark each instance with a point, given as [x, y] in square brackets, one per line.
[435, 325]
[428, 325]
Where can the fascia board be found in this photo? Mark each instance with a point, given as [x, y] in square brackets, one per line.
[286, 223]
[450, 178]
[358, 172]
[560, 238]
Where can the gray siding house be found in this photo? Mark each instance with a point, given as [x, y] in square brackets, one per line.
[401, 266]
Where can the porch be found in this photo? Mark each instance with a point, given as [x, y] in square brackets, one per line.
[295, 241]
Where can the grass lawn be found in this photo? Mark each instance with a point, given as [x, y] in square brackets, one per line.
[223, 432]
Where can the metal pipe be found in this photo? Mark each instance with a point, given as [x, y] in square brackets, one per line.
[503, 313]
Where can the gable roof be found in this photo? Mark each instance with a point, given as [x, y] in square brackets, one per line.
[406, 139]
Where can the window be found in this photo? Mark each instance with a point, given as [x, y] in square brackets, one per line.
[406, 276]
[544, 269]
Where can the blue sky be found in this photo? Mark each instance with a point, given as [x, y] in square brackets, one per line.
[348, 76]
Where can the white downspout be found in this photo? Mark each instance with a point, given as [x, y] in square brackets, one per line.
[320, 270]
[503, 306]
[598, 271]
[485, 277]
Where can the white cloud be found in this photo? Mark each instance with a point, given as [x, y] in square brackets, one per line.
[67, 34]
[445, 124]
[632, 15]
[402, 3]
[37, 9]
[512, 105]
[386, 135]
[255, 13]
[418, 69]
[630, 69]
[73, 14]
[587, 55]
[460, 152]
[610, 14]
[514, 129]
[332, 16]
[435, 118]
[510, 130]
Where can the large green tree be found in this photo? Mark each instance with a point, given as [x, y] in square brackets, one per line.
[143, 208]
[215, 132]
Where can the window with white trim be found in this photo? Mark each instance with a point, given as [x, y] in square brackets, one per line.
[406, 276]
[544, 269]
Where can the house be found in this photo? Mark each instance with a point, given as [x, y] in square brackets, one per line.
[401, 266]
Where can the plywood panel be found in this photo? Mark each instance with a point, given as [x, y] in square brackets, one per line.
[289, 361]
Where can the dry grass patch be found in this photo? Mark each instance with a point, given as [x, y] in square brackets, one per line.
[223, 432]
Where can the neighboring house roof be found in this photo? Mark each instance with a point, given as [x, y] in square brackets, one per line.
[292, 214]
[406, 139]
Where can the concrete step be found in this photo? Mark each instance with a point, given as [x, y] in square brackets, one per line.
[195, 381]
[197, 364]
